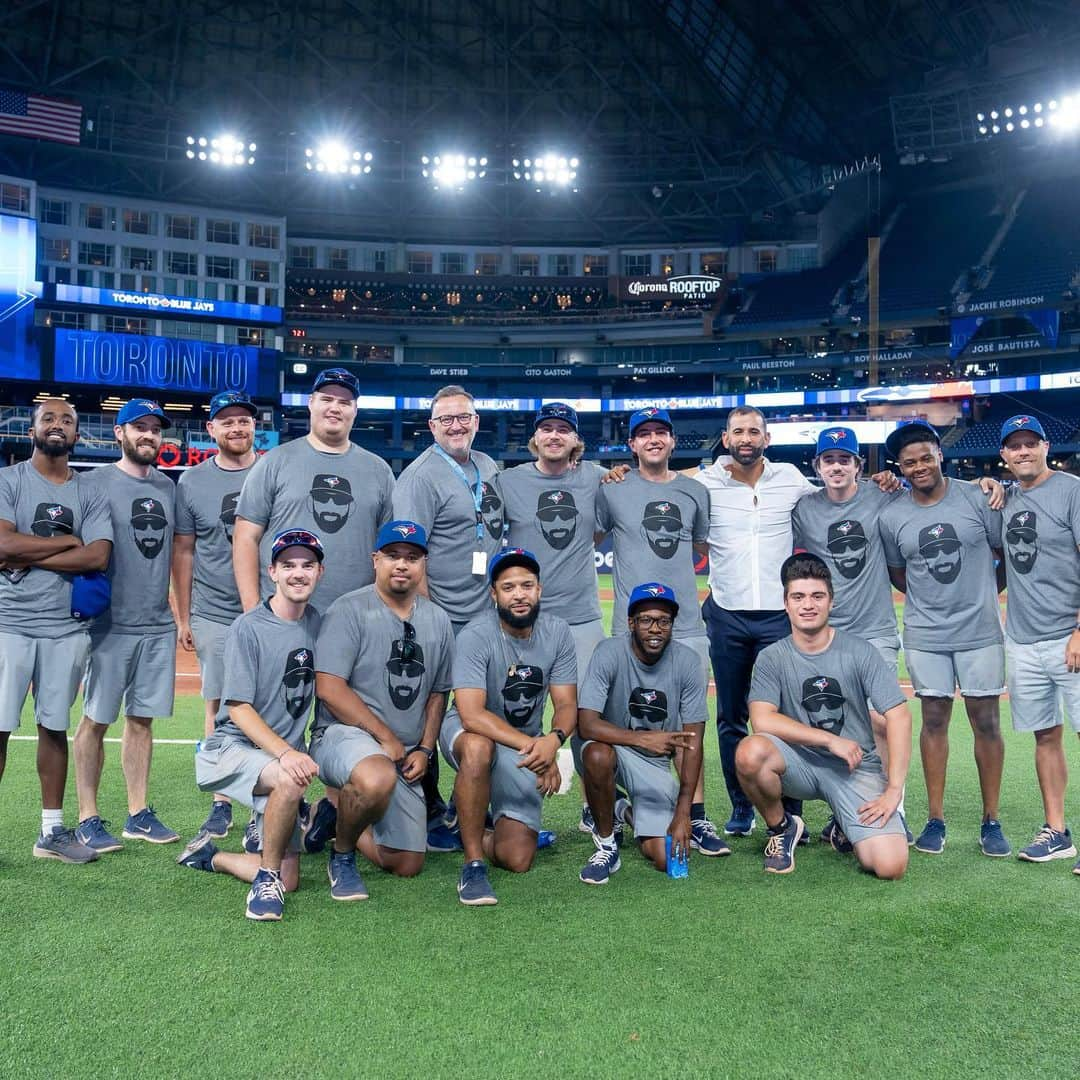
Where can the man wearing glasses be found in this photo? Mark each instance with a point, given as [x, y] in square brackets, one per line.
[204, 585]
[384, 656]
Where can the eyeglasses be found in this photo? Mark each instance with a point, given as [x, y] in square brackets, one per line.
[464, 419]
[661, 622]
[408, 640]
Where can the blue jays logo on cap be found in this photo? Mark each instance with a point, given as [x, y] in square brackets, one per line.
[148, 505]
[301, 657]
[1019, 421]
[649, 592]
[523, 673]
[936, 531]
[1022, 423]
[836, 436]
[1020, 519]
[648, 696]
[821, 684]
[556, 496]
[54, 511]
[404, 530]
[401, 532]
[845, 527]
[656, 590]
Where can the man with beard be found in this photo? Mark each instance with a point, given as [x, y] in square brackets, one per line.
[256, 753]
[506, 662]
[52, 525]
[326, 483]
[812, 733]
[941, 541]
[658, 520]
[132, 645]
[204, 585]
[383, 675]
[1042, 618]
[641, 699]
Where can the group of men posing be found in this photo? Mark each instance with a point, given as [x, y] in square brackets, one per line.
[309, 573]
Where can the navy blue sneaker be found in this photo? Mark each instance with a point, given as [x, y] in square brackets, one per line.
[741, 822]
[473, 887]
[266, 900]
[444, 834]
[322, 828]
[545, 838]
[705, 839]
[931, 840]
[992, 839]
[587, 824]
[94, 833]
[603, 863]
[63, 845]
[834, 836]
[219, 821]
[252, 839]
[199, 854]
[780, 847]
[145, 825]
[345, 880]
[1049, 844]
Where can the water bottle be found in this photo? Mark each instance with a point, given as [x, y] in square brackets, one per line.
[676, 867]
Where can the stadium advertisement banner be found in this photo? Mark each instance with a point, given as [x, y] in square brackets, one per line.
[19, 355]
[187, 307]
[1047, 321]
[801, 433]
[200, 367]
[973, 307]
[684, 288]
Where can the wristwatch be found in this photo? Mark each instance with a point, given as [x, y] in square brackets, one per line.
[560, 735]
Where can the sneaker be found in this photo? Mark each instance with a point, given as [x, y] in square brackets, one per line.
[1048, 844]
[145, 826]
[624, 811]
[252, 839]
[266, 900]
[219, 821]
[63, 844]
[94, 833]
[931, 840]
[199, 854]
[741, 822]
[834, 836]
[545, 838]
[473, 887]
[604, 863]
[322, 828]
[444, 834]
[780, 847]
[345, 880]
[992, 839]
[705, 838]
[587, 824]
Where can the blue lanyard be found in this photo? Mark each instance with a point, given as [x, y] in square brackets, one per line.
[476, 492]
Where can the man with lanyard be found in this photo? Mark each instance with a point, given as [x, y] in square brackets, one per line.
[1042, 618]
[658, 520]
[256, 753]
[506, 662]
[204, 586]
[383, 675]
[641, 699]
[52, 526]
[941, 542]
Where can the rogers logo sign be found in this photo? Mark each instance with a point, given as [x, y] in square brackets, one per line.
[689, 287]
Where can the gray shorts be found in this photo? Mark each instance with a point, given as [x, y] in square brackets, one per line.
[977, 672]
[652, 787]
[338, 750]
[210, 649]
[53, 666]
[514, 793]
[138, 670]
[1042, 691]
[587, 636]
[889, 648]
[814, 774]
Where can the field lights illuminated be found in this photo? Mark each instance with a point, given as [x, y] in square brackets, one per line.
[453, 171]
[549, 169]
[226, 150]
[337, 159]
[1061, 117]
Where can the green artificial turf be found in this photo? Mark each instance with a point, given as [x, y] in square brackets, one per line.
[133, 966]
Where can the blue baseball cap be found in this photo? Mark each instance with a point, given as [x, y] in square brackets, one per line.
[1022, 423]
[228, 398]
[656, 416]
[838, 438]
[401, 532]
[137, 408]
[652, 592]
[288, 538]
[909, 431]
[509, 557]
[556, 410]
[337, 376]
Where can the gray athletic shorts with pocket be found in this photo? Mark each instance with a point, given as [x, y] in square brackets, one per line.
[977, 672]
[514, 793]
[338, 750]
[889, 649]
[136, 670]
[652, 787]
[210, 649]
[53, 666]
[1043, 692]
[814, 774]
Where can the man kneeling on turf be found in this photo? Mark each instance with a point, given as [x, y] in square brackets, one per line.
[812, 733]
[256, 753]
[642, 698]
[383, 676]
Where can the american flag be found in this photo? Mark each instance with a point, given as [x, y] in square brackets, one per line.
[39, 117]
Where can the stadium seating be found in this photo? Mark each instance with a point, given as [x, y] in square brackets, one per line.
[986, 434]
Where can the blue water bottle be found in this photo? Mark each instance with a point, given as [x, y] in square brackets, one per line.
[677, 867]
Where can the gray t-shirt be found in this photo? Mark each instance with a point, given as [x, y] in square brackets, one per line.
[269, 665]
[342, 498]
[143, 515]
[36, 602]
[653, 529]
[515, 672]
[845, 535]
[554, 517]
[830, 689]
[645, 697]
[206, 498]
[1042, 531]
[431, 493]
[363, 642]
[952, 602]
